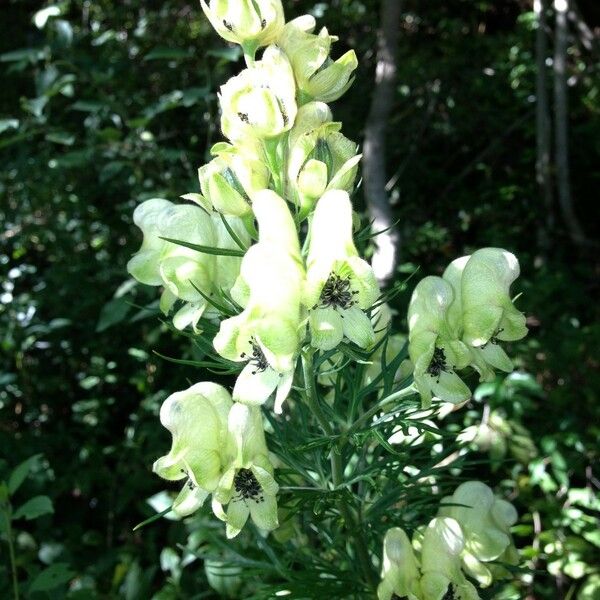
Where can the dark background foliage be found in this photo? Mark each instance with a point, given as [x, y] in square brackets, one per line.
[113, 102]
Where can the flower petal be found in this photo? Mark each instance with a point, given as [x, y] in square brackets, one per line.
[326, 328]
[264, 513]
[358, 327]
[189, 500]
[283, 389]
[449, 387]
[237, 515]
[254, 386]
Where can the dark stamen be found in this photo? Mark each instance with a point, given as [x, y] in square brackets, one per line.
[247, 486]
[257, 358]
[449, 595]
[494, 339]
[336, 293]
[438, 363]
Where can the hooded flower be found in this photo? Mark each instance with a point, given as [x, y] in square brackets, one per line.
[488, 310]
[442, 545]
[251, 23]
[340, 286]
[197, 420]
[247, 486]
[318, 77]
[496, 435]
[485, 522]
[231, 179]
[267, 334]
[320, 157]
[487, 357]
[434, 347]
[181, 270]
[400, 569]
[260, 102]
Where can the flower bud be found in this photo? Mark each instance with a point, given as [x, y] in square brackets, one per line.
[318, 77]
[231, 179]
[320, 157]
[260, 101]
[251, 23]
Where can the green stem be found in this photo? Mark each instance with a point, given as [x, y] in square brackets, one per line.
[337, 468]
[311, 392]
[249, 54]
[11, 551]
[270, 146]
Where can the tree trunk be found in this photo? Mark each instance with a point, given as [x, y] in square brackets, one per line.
[374, 162]
[543, 133]
[561, 124]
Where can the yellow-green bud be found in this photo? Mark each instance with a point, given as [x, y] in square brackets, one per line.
[231, 179]
[320, 157]
[317, 75]
[251, 23]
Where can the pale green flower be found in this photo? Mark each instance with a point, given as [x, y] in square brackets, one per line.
[231, 179]
[487, 357]
[485, 521]
[247, 486]
[497, 435]
[260, 102]
[182, 271]
[197, 419]
[442, 545]
[434, 347]
[159, 262]
[320, 158]
[250, 23]
[399, 568]
[340, 286]
[488, 311]
[268, 333]
[223, 577]
[317, 75]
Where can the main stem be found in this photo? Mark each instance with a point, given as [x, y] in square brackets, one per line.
[337, 468]
[11, 552]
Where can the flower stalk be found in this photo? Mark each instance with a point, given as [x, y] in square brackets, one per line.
[264, 266]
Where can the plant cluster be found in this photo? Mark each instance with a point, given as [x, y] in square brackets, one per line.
[263, 266]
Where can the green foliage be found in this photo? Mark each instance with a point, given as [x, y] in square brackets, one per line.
[105, 104]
